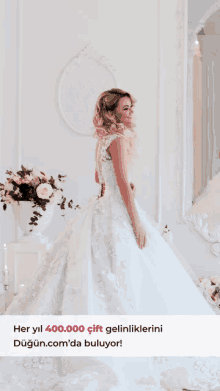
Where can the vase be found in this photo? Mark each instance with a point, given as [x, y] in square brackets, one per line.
[23, 213]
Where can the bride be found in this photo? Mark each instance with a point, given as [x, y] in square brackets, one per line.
[111, 259]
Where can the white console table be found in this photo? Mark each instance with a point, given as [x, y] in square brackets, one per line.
[22, 260]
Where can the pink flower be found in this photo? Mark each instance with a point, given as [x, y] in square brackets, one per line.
[35, 180]
[37, 173]
[27, 179]
[44, 191]
[9, 199]
[8, 186]
[211, 290]
[216, 280]
[206, 283]
[17, 179]
[46, 177]
[58, 184]
[56, 197]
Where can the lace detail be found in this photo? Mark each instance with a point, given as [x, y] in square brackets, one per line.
[85, 373]
[43, 293]
[192, 374]
[96, 267]
[58, 374]
[102, 155]
[29, 373]
[111, 276]
[206, 296]
[179, 373]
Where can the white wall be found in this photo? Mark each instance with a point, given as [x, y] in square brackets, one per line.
[8, 105]
[51, 33]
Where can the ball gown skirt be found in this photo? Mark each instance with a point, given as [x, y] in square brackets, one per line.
[96, 267]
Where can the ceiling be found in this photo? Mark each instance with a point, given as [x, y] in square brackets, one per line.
[212, 26]
[196, 10]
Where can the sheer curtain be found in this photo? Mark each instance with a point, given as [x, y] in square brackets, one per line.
[206, 113]
[197, 124]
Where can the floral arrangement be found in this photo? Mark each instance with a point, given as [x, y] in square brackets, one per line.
[212, 286]
[36, 186]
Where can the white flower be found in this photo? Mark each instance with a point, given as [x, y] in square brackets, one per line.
[44, 191]
[28, 178]
[211, 290]
[206, 283]
[16, 179]
[56, 197]
[37, 173]
[58, 184]
[28, 166]
[216, 280]
[217, 301]
[46, 177]
[8, 186]
[9, 200]
[35, 180]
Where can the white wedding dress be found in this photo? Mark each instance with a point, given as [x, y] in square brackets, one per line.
[96, 267]
[109, 374]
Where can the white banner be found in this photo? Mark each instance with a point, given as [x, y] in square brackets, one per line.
[118, 336]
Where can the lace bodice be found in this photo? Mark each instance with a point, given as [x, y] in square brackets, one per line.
[104, 165]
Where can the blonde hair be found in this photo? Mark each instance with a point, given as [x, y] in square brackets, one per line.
[106, 105]
[105, 119]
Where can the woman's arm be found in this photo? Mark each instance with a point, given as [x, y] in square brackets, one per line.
[96, 155]
[118, 150]
[96, 176]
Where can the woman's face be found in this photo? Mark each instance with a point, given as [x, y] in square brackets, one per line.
[124, 111]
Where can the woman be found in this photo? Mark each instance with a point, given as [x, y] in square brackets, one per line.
[111, 259]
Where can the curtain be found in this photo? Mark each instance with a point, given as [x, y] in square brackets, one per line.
[206, 113]
[197, 116]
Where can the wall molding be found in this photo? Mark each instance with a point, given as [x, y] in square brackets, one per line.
[89, 53]
[181, 110]
[18, 95]
[18, 92]
[198, 221]
[160, 131]
[193, 33]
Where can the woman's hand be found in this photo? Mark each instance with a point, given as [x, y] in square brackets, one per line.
[102, 189]
[140, 234]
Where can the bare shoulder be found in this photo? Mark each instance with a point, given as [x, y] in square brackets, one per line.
[118, 151]
[118, 146]
[97, 148]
